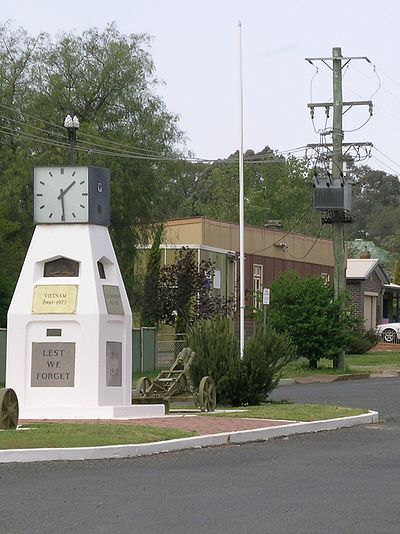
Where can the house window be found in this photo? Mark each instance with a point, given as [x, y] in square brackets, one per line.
[217, 279]
[257, 285]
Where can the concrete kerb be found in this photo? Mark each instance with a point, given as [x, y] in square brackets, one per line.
[210, 440]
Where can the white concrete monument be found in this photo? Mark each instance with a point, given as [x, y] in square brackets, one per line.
[69, 349]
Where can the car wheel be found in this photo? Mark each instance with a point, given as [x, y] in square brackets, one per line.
[389, 336]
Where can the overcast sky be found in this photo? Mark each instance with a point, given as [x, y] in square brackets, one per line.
[195, 49]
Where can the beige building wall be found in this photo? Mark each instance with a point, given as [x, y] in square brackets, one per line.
[258, 241]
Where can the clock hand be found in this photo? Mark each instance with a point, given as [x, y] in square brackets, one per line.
[61, 197]
[64, 191]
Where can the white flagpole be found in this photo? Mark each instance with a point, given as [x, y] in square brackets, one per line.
[241, 202]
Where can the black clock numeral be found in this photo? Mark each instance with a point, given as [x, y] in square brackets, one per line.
[81, 183]
[73, 174]
[42, 183]
[82, 206]
[51, 215]
[73, 215]
[39, 194]
[62, 170]
[50, 175]
[84, 194]
[41, 207]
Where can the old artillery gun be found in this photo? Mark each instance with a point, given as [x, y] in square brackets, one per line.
[9, 410]
[174, 385]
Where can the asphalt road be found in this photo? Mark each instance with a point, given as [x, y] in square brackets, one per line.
[345, 481]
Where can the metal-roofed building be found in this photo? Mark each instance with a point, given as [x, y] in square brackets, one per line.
[365, 281]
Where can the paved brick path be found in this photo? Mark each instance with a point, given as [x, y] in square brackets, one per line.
[200, 424]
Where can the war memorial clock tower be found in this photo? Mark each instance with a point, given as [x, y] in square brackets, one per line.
[69, 349]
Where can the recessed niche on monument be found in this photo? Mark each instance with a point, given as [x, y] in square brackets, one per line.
[101, 269]
[62, 267]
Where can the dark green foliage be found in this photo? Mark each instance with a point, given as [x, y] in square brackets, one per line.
[149, 315]
[217, 355]
[361, 341]
[265, 356]
[396, 275]
[376, 208]
[276, 188]
[184, 294]
[239, 382]
[305, 309]
[108, 78]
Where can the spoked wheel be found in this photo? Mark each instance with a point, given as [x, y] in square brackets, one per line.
[8, 409]
[142, 386]
[389, 336]
[207, 394]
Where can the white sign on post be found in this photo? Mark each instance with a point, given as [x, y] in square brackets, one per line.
[266, 295]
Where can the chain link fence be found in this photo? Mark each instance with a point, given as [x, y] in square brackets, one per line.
[168, 346]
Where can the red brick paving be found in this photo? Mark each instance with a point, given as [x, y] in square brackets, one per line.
[200, 424]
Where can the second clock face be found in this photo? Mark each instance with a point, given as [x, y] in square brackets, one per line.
[61, 195]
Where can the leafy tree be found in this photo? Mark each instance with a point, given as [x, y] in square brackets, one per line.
[184, 292]
[376, 207]
[109, 80]
[150, 300]
[305, 308]
[275, 188]
[396, 276]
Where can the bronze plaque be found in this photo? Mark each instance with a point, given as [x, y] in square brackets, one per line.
[54, 299]
[112, 296]
[53, 364]
[114, 363]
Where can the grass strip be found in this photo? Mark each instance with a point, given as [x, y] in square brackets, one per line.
[43, 435]
[371, 361]
[291, 412]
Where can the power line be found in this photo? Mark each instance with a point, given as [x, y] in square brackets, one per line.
[310, 249]
[387, 157]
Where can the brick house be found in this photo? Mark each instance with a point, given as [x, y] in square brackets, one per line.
[365, 282]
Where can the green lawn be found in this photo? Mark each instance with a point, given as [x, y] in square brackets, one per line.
[60, 435]
[85, 435]
[381, 360]
[292, 412]
[355, 363]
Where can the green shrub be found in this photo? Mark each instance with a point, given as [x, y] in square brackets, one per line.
[265, 356]
[239, 381]
[217, 355]
[361, 341]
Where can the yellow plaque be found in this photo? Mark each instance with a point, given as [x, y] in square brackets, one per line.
[54, 299]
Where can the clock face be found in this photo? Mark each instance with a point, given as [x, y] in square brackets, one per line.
[61, 195]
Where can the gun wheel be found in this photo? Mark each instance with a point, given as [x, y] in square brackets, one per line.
[8, 409]
[142, 386]
[207, 394]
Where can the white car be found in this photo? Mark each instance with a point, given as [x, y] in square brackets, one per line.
[389, 332]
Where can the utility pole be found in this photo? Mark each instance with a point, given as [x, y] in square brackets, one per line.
[339, 269]
[332, 194]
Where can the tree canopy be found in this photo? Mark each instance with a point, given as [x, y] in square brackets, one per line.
[108, 79]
